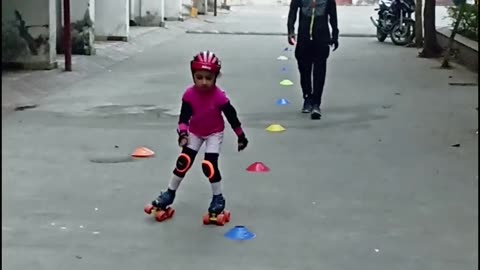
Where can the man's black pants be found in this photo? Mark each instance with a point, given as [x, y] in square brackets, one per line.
[312, 57]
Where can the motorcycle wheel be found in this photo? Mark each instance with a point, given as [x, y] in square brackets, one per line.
[403, 34]
[381, 36]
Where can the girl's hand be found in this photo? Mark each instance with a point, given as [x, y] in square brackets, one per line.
[242, 142]
[182, 139]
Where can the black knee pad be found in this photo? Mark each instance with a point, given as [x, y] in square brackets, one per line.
[210, 167]
[184, 161]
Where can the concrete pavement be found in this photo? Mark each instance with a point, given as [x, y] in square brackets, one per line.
[26, 87]
[352, 20]
[373, 185]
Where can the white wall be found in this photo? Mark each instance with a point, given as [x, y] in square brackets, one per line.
[111, 19]
[173, 9]
[134, 8]
[52, 34]
[79, 7]
[34, 46]
[152, 12]
[237, 2]
[202, 6]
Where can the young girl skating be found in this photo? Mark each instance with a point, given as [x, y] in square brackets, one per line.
[201, 121]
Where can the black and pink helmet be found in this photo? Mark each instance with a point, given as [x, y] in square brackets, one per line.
[206, 60]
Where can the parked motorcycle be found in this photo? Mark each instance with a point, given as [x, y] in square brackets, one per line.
[395, 20]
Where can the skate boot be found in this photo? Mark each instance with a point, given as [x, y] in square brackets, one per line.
[160, 206]
[164, 199]
[217, 205]
[216, 212]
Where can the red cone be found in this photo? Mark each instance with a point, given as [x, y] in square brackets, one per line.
[143, 152]
[258, 167]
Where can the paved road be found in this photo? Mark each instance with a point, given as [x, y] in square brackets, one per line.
[374, 185]
[352, 20]
[26, 86]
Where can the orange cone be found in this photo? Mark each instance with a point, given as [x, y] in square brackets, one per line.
[143, 152]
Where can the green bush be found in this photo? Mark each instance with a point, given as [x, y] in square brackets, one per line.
[13, 46]
[469, 25]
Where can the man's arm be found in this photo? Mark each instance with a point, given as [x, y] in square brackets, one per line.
[332, 14]
[186, 112]
[292, 17]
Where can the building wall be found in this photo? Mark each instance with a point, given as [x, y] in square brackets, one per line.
[237, 2]
[202, 6]
[134, 9]
[29, 33]
[112, 19]
[173, 9]
[152, 12]
[187, 2]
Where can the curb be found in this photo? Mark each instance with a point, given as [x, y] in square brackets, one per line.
[466, 50]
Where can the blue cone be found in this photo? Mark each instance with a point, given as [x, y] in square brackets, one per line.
[239, 233]
[286, 49]
[282, 102]
[284, 69]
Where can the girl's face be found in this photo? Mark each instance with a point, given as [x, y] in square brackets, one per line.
[204, 80]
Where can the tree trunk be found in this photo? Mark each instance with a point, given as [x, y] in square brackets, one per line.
[418, 24]
[446, 58]
[430, 45]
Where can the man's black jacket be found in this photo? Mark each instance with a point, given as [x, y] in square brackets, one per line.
[313, 28]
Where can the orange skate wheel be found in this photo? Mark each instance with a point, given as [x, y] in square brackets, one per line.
[161, 215]
[148, 209]
[221, 219]
[206, 219]
[170, 212]
[227, 216]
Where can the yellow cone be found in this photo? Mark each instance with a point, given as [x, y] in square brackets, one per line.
[281, 57]
[275, 128]
[286, 83]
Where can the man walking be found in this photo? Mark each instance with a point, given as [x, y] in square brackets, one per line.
[313, 46]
